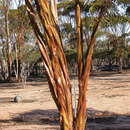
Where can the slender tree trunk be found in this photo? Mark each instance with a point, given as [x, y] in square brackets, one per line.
[18, 47]
[120, 64]
[19, 62]
[8, 51]
[2, 70]
[2, 60]
[16, 64]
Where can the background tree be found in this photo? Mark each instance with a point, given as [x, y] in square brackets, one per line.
[21, 39]
[5, 4]
[19, 26]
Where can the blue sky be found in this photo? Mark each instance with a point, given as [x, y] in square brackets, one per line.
[15, 3]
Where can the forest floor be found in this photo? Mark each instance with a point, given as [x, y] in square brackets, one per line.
[108, 104]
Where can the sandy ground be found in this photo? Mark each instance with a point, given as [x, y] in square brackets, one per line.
[108, 104]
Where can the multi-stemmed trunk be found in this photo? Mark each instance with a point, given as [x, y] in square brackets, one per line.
[56, 64]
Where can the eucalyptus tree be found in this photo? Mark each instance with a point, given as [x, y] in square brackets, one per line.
[50, 44]
[15, 31]
[112, 47]
[117, 33]
[19, 26]
[4, 10]
[3, 61]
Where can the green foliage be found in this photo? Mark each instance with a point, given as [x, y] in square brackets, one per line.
[124, 1]
[67, 27]
[100, 4]
[128, 11]
[65, 7]
[114, 20]
[29, 54]
[18, 19]
[71, 55]
[63, 4]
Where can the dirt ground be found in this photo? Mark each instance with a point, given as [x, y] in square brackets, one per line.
[108, 104]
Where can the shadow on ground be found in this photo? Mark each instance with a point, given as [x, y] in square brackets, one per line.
[40, 117]
[11, 86]
[106, 74]
[97, 120]
[104, 120]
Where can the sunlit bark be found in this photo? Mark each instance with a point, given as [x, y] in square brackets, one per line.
[56, 64]
[54, 9]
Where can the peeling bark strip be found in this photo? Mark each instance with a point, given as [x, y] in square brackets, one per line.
[79, 39]
[55, 61]
[54, 9]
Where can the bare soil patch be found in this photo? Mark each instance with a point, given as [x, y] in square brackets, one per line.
[108, 104]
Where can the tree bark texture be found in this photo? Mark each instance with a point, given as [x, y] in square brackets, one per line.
[51, 48]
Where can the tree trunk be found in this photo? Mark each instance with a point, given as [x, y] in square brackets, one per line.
[18, 46]
[120, 64]
[8, 50]
[16, 63]
[2, 70]
[56, 65]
